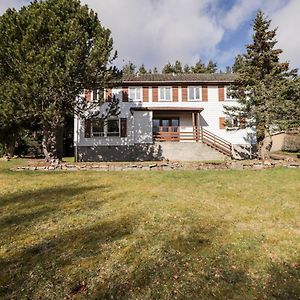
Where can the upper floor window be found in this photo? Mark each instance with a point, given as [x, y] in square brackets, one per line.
[228, 97]
[135, 93]
[165, 93]
[95, 95]
[194, 93]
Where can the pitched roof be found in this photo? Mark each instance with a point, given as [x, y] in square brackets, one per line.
[182, 78]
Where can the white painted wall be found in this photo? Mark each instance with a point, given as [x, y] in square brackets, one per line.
[139, 123]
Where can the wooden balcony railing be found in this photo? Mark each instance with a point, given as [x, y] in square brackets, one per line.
[176, 134]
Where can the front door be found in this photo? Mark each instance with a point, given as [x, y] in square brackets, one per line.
[163, 124]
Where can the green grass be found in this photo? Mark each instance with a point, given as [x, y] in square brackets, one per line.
[225, 234]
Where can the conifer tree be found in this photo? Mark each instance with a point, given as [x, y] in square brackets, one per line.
[142, 69]
[177, 67]
[199, 67]
[186, 68]
[168, 68]
[211, 67]
[129, 68]
[238, 63]
[261, 84]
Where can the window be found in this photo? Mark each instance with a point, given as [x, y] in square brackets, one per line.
[113, 127]
[194, 93]
[97, 127]
[228, 97]
[135, 94]
[165, 93]
[95, 95]
[235, 123]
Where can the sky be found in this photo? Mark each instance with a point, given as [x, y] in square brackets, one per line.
[154, 32]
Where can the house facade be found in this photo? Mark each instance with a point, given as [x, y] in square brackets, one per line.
[162, 116]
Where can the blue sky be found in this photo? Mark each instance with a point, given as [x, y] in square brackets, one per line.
[154, 32]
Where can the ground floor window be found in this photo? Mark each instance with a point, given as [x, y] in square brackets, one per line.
[98, 127]
[165, 125]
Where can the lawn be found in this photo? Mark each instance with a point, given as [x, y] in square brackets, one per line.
[229, 234]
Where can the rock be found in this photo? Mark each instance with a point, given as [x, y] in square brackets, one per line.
[152, 166]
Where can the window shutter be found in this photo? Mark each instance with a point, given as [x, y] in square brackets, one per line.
[87, 128]
[204, 93]
[175, 93]
[125, 94]
[222, 122]
[123, 127]
[108, 95]
[184, 94]
[145, 94]
[88, 95]
[221, 93]
[155, 94]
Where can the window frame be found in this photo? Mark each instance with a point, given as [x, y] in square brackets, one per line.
[164, 93]
[92, 127]
[135, 99]
[233, 126]
[194, 87]
[228, 98]
[105, 133]
[97, 95]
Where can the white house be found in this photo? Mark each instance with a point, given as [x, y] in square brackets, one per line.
[163, 116]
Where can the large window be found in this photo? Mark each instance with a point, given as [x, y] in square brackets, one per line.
[135, 93]
[194, 93]
[165, 93]
[97, 127]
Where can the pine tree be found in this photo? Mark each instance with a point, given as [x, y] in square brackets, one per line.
[228, 70]
[211, 67]
[129, 69]
[177, 67]
[261, 84]
[168, 68]
[186, 68]
[142, 69]
[199, 67]
[238, 63]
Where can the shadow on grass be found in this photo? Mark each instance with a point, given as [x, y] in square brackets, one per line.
[40, 270]
[48, 195]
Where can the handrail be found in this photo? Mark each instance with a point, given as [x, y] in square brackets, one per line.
[198, 134]
[216, 142]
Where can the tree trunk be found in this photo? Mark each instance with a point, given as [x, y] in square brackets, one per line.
[45, 143]
[264, 146]
[10, 145]
[59, 142]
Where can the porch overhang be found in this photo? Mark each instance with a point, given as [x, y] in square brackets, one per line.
[166, 108]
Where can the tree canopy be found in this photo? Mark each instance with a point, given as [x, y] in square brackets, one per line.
[51, 51]
[262, 84]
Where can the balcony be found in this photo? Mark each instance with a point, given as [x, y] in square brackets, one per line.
[175, 134]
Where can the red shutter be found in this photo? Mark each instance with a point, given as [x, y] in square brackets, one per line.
[204, 93]
[155, 94]
[108, 95]
[87, 128]
[125, 94]
[221, 93]
[88, 95]
[184, 94]
[145, 94]
[123, 127]
[175, 93]
[222, 122]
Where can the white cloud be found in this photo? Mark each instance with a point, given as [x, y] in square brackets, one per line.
[159, 31]
[288, 22]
